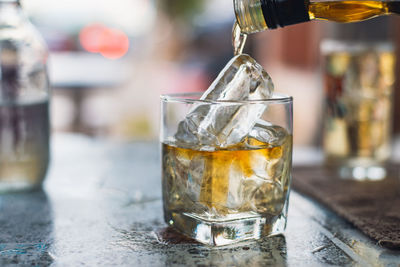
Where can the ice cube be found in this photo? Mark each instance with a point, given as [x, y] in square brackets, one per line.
[189, 171]
[196, 172]
[265, 190]
[255, 193]
[266, 132]
[236, 196]
[220, 125]
[174, 181]
[277, 139]
[269, 197]
[183, 180]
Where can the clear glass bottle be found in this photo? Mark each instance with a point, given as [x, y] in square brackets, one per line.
[259, 15]
[24, 101]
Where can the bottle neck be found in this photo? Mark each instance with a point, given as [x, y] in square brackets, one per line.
[249, 15]
[258, 15]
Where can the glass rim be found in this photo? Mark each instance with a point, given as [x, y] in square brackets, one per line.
[184, 98]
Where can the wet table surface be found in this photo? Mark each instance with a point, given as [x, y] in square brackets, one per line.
[101, 206]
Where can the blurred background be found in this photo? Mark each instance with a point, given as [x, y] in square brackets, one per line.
[110, 61]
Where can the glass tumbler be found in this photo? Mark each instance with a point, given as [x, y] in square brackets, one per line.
[222, 195]
[359, 78]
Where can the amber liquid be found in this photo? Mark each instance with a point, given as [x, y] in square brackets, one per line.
[229, 181]
[351, 11]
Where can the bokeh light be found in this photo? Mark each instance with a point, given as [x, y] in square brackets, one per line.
[109, 42]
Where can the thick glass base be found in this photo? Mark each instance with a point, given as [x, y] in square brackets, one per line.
[363, 173]
[358, 168]
[231, 229]
[14, 187]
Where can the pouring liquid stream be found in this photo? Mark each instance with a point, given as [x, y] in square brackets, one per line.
[238, 39]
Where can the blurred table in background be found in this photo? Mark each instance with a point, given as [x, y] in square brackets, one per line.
[101, 206]
[77, 73]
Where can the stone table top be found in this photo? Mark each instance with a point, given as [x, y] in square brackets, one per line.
[101, 206]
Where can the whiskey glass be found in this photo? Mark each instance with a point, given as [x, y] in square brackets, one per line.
[358, 81]
[223, 195]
